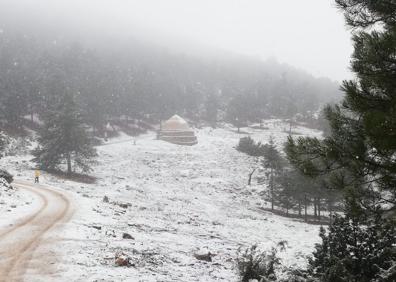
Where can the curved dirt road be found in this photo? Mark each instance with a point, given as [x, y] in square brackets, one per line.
[18, 243]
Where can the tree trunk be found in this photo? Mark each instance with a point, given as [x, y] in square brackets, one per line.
[272, 189]
[305, 207]
[250, 177]
[315, 209]
[319, 208]
[299, 207]
[69, 166]
[287, 208]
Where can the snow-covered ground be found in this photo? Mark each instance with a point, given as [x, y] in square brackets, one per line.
[175, 201]
[14, 206]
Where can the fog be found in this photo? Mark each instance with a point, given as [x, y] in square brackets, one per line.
[309, 34]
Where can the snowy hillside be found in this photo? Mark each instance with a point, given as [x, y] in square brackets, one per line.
[174, 201]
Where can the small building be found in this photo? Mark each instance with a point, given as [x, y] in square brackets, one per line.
[177, 131]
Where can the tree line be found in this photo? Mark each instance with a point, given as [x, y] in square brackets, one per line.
[139, 81]
[68, 93]
[289, 189]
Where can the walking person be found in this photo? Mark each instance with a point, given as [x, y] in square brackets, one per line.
[36, 176]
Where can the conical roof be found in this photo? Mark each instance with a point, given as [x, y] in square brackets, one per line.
[175, 123]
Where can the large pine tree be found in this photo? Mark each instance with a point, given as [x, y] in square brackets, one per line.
[64, 139]
[274, 162]
[359, 154]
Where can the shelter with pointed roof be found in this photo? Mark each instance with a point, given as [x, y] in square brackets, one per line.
[177, 131]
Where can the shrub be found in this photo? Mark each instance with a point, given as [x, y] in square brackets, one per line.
[3, 143]
[4, 185]
[297, 275]
[248, 146]
[351, 251]
[256, 265]
[18, 146]
[6, 176]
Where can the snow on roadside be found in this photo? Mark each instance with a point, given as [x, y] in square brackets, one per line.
[15, 204]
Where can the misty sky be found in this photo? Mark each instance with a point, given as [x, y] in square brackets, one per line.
[307, 34]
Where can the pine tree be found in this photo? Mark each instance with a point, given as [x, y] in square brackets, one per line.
[64, 139]
[297, 191]
[352, 252]
[286, 194]
[358, 156]
[274, 162]
[359, 153]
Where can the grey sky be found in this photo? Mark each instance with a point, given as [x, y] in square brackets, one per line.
[308, 34]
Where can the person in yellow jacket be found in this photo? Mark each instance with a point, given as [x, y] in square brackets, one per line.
[36, 176]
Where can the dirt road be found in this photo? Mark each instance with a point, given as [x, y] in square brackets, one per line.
[19, 243]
